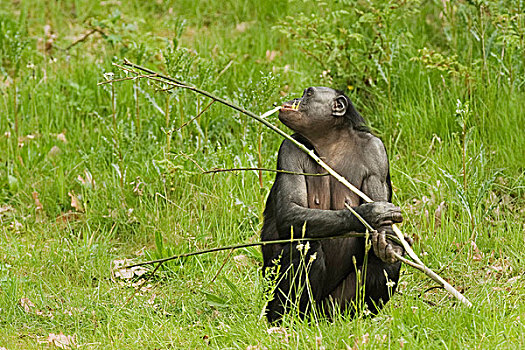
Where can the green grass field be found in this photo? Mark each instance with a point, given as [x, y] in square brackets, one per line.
[91, 174]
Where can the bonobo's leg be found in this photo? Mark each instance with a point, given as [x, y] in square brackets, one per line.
[376, 291]
[300, 280]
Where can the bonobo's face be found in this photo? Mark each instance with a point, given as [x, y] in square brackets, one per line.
[317, 112]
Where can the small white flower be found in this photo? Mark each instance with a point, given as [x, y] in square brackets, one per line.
[307, 247]
[109, 75]
[458, 107]
[300, 247]
[390, 284]
[312, 258]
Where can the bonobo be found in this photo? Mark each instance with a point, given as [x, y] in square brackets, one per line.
[326, 121]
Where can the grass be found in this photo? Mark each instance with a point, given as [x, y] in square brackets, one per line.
[139, 196]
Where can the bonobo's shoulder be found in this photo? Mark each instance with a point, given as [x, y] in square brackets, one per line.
[376, 158]
[371, 143]
[290, 156]
[288, 146]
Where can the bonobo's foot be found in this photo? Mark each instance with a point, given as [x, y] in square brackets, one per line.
[380, 214]
[384, 248]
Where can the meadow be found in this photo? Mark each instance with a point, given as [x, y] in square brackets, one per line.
[92, 174]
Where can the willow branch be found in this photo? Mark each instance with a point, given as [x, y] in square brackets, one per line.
[311, 153]
[174, 82]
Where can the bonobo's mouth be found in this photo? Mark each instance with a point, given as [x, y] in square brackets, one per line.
[294, 106]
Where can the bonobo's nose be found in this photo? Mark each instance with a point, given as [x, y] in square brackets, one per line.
[293, 104]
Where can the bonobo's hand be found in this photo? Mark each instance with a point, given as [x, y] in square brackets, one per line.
[379, 214]
[384, 248]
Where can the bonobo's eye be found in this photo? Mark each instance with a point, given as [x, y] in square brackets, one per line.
[309, 92]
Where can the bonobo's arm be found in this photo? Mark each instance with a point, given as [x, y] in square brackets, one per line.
[376, 183]
[378, 187]
[291, 201]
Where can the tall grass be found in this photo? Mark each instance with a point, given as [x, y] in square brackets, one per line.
[124, 182]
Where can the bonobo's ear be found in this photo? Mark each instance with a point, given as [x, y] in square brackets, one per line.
[340, 106]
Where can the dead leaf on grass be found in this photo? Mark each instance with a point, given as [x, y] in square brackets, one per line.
[60, 340]
[477, 256]
[271, 54]
[141, 252]
[319, 341]
[256, 347]
[38, 204]
[151, 300]
[5, 210]
[49, 38]
[16, 226]
[65, 218]
[380, 339]
[30, 307]
[61, 136]
[22, 140]
[39, 207]
[501, 267]
[87, 180]
[26, 304]
[241, 27]
[281, 331]
[439, 213]
[44, 313]
[54, 152]
[119, 271]
[141, 287]
[241, 260]
[75, 202]
[363, 341]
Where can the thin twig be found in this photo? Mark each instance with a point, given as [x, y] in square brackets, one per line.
[318, 160]
[166, 89]
[420, 266]
[125, 69]
[222, 266]
[447, 286]
[418, 298]
[193, 161]
[141, 285]
[262, 169]
[84, 37]
[246, 245]
[126, 78]
[223, 71]
[429, 289]
[197, 116]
